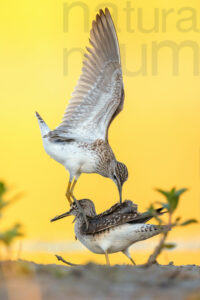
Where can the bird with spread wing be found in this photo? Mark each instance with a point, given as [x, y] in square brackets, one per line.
[80, 142]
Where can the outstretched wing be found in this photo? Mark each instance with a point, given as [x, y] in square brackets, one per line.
[99, 94]
[116, 219]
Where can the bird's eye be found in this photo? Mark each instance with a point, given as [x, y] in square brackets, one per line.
[115, 177]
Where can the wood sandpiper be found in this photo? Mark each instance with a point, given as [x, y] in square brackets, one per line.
[114, 230]
[80, 142]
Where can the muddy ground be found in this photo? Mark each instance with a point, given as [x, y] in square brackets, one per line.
[29, 281]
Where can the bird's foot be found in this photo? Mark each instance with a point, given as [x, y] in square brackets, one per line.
[81, 211]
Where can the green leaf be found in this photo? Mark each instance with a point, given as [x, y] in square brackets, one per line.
[173, 203]
[173, 191]
[169, 246]
[8, 236]
[181, 191]
[172, 198]
[151, 209]
[166, 205]
[165, 193]
[3, 203]
[2, 188]
[177, 219]
[190, 221]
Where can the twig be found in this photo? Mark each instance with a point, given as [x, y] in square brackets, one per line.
[59, 258]
[158, 249]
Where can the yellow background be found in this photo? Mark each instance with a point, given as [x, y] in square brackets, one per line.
[157, 135]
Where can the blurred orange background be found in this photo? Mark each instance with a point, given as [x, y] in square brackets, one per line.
[157, 135]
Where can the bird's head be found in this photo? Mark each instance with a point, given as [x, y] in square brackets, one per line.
[119, 174]
[86, 204]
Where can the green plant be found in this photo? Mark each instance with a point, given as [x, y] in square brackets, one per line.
[7, 236]
[170, 204]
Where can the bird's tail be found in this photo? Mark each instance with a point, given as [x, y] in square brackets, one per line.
[152, 230]
[43, 126]
[157, 229]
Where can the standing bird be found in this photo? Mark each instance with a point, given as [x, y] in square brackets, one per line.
[80, 142]
[114, 230]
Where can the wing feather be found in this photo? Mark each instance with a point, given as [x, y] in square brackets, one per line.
[117, 216]
[99, 95]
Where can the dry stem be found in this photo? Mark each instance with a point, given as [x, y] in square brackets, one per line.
[158, 249]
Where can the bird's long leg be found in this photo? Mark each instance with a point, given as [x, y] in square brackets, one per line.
[75, 179]
[72, 187]
[107, 258]
[132, 261]
[67, 194]
[77, 203]
[126, 252]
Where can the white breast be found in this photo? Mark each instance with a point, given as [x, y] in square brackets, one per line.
[115, 239]
[76, 159]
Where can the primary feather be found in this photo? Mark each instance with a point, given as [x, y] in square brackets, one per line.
[99, 94]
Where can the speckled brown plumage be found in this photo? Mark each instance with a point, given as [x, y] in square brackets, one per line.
[118, 214]
[114, 230]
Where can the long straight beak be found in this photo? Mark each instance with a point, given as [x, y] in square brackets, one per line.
[120, 191]
[66, 214]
